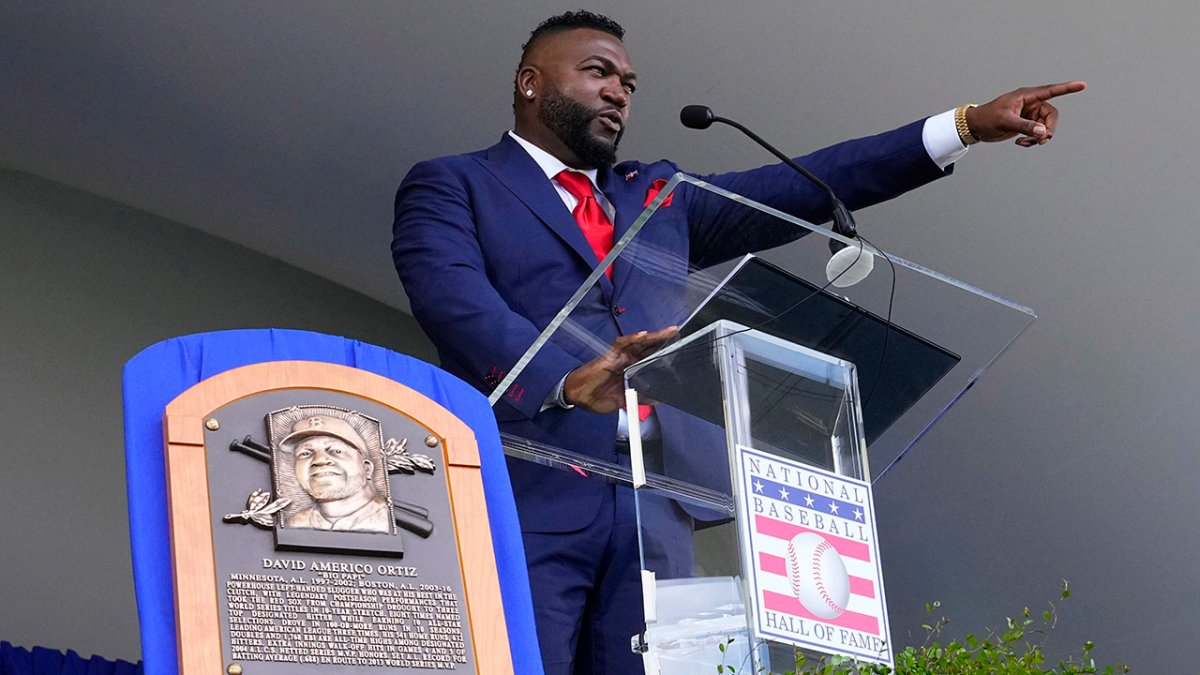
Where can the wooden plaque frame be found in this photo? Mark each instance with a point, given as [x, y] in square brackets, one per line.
[189, 509]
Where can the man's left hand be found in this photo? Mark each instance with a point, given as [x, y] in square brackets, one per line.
[1024, 112]
[599, 385]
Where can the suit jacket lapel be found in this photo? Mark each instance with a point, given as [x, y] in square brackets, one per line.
[513, 167]
[624, 196]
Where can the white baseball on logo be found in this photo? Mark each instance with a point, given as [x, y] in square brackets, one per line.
[818, 575]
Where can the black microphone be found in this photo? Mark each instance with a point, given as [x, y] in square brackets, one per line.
[696, 116]
[702, 117]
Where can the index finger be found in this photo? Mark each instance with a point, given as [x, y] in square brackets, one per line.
[1049, 91]
[643, 339]
[655, 339]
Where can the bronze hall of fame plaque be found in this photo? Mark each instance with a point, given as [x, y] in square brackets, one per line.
[335, 523]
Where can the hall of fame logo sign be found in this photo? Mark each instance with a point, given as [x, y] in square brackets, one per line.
[813, 568]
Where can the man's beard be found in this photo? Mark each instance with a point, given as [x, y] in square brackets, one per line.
[570, 120]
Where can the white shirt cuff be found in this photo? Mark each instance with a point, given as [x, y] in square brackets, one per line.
[941, 140]
[555, 398]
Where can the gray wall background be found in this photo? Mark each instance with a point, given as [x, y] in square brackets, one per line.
[284, 127]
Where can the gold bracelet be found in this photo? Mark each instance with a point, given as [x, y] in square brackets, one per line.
[965, 134]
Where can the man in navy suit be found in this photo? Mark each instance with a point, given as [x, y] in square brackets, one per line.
[490, 246]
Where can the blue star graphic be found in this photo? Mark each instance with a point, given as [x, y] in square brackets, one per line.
[857, 514]
[833, 507]
[758, 486]
[783, 494]
[808, 500]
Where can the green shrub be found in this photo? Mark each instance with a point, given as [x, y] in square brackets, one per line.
[1015, 650]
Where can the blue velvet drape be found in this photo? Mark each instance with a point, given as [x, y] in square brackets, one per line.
[42, 661]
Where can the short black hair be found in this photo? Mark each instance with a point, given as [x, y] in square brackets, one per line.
[570, 21]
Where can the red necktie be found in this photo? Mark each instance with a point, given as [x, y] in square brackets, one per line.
[597, 228]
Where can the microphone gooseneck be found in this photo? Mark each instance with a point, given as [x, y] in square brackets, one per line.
[702, 117]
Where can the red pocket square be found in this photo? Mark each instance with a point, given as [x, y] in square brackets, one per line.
[655, 188]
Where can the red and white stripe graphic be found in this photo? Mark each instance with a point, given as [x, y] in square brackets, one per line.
[775, 585]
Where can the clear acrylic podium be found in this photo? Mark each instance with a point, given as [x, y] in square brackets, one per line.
[773, 359]
[766, 395]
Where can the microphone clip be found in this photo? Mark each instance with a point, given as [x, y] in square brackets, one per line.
[843, 224]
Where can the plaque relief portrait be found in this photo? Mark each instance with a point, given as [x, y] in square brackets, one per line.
[330, 463]
[330, 468]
